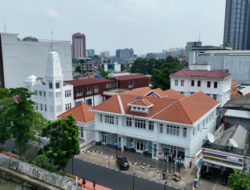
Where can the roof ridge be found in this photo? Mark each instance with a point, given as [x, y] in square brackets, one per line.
[120, 103]
[164, 109]
[185, 112]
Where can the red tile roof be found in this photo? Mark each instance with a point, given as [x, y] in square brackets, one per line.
[201, 73]
[146, 91]
[248, 94]
[185, 110]
[80, 112]
[141, 102]
[234, 83]
[138, 91]
[130, 77]
[234, 92]
[84, 82]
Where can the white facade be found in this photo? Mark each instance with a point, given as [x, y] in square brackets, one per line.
[219, 88]
[111, 67]
[86, 135]
[21, 58]
[161, 139]
[51, 96]
[236, 62]
[90, 100]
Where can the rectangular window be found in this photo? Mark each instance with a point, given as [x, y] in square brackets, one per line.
[45, 107]
[130, 84]
[174, 130]
[40, 93]
[41, 107]
[151, 125]
[67, 93]
[96, 89]
[50, 85]
[140, 123]
[36, 106]
[161, 129]
[110, 85]
[79, 92]
[67, 106]
[215, 84]
[177, 131]
[176, 82]
[57, 85]
[182, 82]
[168, 129]
[81, 132]
[35, 92]
[192, 82]
[129, 121]
[89, 90]
[109, 119]
[184, 132]
[58, 94]
[100, 118]
[215, 96]
[199, 83]
[208, 84]
[44, 94]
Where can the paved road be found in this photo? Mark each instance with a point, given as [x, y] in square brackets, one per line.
[107, 177]
[110, 178]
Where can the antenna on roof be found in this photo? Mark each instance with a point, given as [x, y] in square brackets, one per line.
[51, 42]
[199, 37]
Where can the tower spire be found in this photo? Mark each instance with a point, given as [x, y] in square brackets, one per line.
[51, 42]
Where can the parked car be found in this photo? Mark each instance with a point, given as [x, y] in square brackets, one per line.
[122, 163]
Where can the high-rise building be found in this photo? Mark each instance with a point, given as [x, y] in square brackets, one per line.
[19, 58]
[237, 26]
[90, 52]
[78, 45]
[125, 53]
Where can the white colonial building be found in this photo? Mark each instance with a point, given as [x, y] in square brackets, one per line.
[170, 127]
[51, 96]
[215, 83]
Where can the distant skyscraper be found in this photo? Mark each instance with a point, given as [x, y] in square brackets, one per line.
[78, 46]
[125, 53]
[237, 26]
[90, 52]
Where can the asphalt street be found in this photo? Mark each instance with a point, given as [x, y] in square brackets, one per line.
[116, 180]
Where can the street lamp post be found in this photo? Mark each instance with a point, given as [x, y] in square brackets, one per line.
[72, 166]
[133, 181]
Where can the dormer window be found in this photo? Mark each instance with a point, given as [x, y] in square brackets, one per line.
[140, 105]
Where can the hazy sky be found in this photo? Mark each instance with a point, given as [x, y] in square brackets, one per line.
[145, 25]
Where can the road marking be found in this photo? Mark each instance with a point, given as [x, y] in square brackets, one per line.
[214, 187]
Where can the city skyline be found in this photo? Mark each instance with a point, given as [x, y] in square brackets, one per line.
[144, 25]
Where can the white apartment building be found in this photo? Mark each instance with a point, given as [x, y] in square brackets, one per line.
[215, 83]
[19, 58]
[237, 62]
[167, 127]
[51, 96]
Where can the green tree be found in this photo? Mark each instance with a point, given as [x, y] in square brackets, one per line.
[78, 69]
[40, 160]
[5, 102]
[239, 180]
[122, 67]
[104, 73]
[161, 77]
[19, 117]
[63, 143]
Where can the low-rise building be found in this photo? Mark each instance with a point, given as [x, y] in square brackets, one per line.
[172, 127]
[51, 95]
[215, 83]
[85, 121]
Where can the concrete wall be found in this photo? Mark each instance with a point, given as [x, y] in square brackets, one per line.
[54, 179]
[23, 58]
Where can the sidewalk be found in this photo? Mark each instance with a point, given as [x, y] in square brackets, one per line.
[140, 165]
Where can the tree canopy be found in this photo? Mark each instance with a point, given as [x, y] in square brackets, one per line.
[146, 66]
[18, 117]
[63, 143]
[239, 181]
[161, 77]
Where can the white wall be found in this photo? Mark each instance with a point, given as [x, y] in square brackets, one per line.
[22, 58]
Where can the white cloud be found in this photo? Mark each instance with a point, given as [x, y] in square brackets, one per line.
[52, 14]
